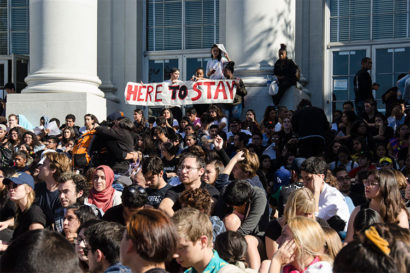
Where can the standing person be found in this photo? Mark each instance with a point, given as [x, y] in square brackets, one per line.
[310, 124]
[174, 80]
[149, 241]
[362, 83]
[234, 110]
[214, 67]
[286, 71]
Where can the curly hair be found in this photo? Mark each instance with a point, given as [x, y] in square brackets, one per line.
[197, 198]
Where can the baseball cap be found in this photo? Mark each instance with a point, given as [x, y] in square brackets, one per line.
[20, 178]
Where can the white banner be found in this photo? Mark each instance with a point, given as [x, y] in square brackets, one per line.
[189, 92]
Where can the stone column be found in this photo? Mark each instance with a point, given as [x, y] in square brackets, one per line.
[104, 58]
[63, 62]
[254, 30]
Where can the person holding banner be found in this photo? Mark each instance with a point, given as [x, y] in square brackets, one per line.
[174, 79]
[234, 110]
[214, 67]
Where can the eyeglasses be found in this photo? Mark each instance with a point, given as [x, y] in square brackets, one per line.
[187, 168]
[343, 178]
[367, 183]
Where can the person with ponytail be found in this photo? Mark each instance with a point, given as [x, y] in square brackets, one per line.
[286, 71]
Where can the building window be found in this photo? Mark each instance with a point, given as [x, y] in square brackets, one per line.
[182, 24]
[14, 27]
[355, 20]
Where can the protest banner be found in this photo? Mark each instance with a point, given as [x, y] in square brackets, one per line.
[182, 93]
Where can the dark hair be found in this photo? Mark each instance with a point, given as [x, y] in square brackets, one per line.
[56, 120]
[314, 165]
[230, 66]
[153, 235]
[191, 110]
[231, 246]
[237, 193]
[93, 118]
[70, 116]
[243, 137]
[35, 141]
[199, 160]
[282, 48]
[219, 57]
[152, 164]
[126, 123]
[9, 85]
[84, 213]
[365, 60]
[170, 148]
[79, 181]
[365, 218]
[40, 250]
[173, 70]
[348, 102]
[106, 236]
[134, 196]
[303, 103]
[360, 257]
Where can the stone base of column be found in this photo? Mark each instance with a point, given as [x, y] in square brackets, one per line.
[56, 105]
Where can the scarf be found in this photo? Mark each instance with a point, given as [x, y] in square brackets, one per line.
[103, 199]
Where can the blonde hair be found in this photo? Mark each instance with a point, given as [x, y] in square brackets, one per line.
[302, 201]
[333, 244]
[191, 224]
[250, 164]
[309, 238]
[401, 179]
[31, 196]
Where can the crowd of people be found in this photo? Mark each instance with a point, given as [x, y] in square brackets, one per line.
[209, 191]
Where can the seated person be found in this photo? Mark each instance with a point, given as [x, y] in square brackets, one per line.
[195, 248]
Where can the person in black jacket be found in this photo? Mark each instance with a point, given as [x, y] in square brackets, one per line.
[119, 141]
[286, 71]
[311, 126]
[362, 83]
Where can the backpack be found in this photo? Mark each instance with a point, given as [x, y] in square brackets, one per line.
[82, 149]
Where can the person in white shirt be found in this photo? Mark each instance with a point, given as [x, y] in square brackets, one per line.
[330, 202]
[215, 66]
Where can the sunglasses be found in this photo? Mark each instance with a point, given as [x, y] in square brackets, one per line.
[135, 189]
[12, 185]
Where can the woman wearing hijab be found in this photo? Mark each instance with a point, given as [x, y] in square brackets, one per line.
[103, 195]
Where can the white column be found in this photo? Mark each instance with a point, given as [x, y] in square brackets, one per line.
[63, 47]
[63, 62]
[254, 30]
